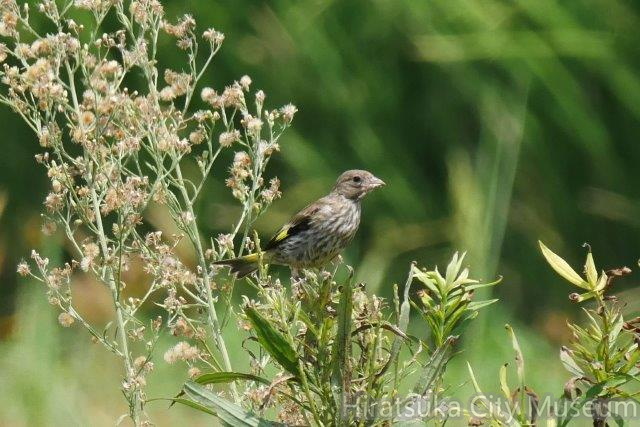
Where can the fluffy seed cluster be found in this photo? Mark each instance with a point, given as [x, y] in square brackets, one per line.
[182, 351]
[113, 154]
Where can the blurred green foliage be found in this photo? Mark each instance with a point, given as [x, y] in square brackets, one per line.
[493, 122]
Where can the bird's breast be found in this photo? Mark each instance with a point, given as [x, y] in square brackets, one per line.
[330, 232]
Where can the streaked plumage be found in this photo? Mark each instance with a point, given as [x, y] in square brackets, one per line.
[319, 232]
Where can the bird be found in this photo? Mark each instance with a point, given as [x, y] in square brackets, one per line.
[316, 234]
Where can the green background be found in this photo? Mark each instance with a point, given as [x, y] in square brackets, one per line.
[494, 124]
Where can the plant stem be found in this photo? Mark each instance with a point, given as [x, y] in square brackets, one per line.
[135, 402]
[211, 309]
[134, 398]
[307, 392]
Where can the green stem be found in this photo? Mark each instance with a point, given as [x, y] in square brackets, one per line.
[134, 398]
[307, 392]
[211, 309]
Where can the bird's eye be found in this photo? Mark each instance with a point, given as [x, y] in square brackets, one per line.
[356, 179]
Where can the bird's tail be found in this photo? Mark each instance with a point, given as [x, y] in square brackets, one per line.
[242, 266]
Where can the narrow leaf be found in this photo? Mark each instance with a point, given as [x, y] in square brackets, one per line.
[519, 365]
[228, 412]
[476, 386]
[618, 323]
[425, 279]
[602, 282]
[274, 342]
[503, 381]
[227, 377]
[477, 305]
[570, 364]
[562, 267]
[519, 357]
[590, 270]
[435, 366]
[453, 268]
[634, 356]
[194, 405]
[483, 285]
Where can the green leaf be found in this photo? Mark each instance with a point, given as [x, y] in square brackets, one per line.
[452, 321]
[429, 378]
[618, 323]
[454, 302]
[503, 381]
[602, 282]
[474, 381]
[496, 416]
[227, 377]
[425, 279]
[570, 364]
[483, 285]
[194, 405]
[453, 268]
[519, 357]
[633, 359]
[519, 367]
[228, 412]
[477, 305]
[595, 325]
[620, 379]
[403, 322]
[463, 321]
[590, 270]
[311, 327]
[562, 267]
[435, 366]
[274, 342]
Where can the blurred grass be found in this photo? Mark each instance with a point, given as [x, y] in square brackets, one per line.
[495, 123]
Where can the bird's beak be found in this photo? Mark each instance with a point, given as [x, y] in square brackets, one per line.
[376, 183]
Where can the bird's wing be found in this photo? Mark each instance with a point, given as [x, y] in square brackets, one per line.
[300, 222]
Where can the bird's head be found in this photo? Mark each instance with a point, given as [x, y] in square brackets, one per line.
[355, 184]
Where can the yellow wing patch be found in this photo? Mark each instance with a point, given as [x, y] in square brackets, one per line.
[250, 258]
[281, 235]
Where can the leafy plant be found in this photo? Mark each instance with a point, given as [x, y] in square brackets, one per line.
[340, 353]
[603, 356]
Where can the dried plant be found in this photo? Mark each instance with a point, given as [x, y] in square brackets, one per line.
[111, 152]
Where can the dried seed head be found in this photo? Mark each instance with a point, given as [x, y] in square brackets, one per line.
[65, 319]
[228, 138]
[23, 269]
[288, 111]
[181, 351]
[193, 372]
[245, 82]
